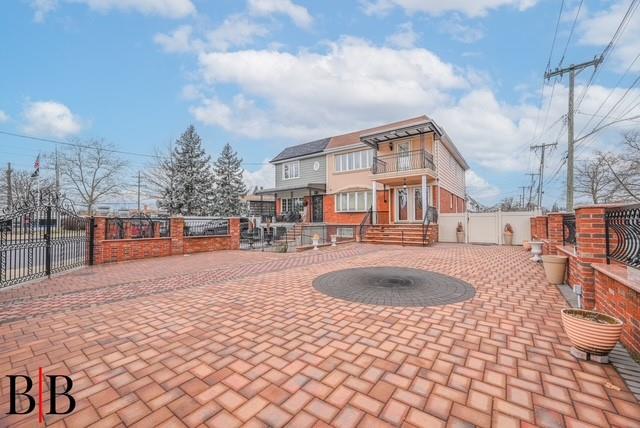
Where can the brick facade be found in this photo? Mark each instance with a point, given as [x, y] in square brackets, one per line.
[620, 300]
[449, 205]
[120, 250]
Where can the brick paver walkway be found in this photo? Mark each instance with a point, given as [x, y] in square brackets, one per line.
[251, 342]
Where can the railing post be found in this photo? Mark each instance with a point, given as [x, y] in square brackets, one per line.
[48, 242]
[92, 235]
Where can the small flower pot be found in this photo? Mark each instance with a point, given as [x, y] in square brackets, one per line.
[507, 238]
[590, 331]
[555, 268]
[460, 237]
[316, 242]
[334, 239]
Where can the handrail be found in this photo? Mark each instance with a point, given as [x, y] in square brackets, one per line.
[367, 216]
[412, 159]
[430, 213]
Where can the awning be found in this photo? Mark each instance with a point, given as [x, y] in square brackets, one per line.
[373, 140]
[317, 187]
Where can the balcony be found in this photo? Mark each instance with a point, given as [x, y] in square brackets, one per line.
[401, 162]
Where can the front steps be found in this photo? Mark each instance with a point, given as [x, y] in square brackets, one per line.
[396, 234]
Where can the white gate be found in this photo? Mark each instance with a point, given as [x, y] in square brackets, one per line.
[486, 228]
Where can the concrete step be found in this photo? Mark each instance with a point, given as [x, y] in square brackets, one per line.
[412, 243]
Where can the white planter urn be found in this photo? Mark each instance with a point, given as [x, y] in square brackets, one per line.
[536, 250]
[333, 240]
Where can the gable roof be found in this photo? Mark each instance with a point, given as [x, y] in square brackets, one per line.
[302, 150]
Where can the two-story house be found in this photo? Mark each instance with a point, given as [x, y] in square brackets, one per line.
[408, 165]
[300, 182]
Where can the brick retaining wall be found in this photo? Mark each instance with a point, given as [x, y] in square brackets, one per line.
[120, 250]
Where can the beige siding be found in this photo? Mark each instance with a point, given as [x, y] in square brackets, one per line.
[450, 172]
[339, 181]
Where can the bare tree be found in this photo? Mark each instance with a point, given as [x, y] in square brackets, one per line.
[24, 187]
[91, 171]
[158, 176]
[594, 179]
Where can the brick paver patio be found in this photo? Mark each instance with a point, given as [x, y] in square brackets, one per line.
[222, 341]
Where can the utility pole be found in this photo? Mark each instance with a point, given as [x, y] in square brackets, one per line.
[543, 149]
[522, 198]
[57, 174]
[532, 174]
[9, 188]
[573, 70]
[138, 192]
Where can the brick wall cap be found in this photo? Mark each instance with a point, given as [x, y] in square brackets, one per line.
[136, 239]
[207, 236]
[611, 205]
[619, 274]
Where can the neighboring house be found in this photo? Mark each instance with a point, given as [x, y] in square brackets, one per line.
[301, 177]
[409, 165]
[258, 205]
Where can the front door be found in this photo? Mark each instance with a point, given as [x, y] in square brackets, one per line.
[317, 214]
[402, 204]
[409, 206]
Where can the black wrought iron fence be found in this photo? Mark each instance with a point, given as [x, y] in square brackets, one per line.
[287, 238]
[569, 229]
[140, 227]
[206, 226]
[623, 235]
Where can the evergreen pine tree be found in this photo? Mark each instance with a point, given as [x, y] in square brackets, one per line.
[192, 181]
[230, 186]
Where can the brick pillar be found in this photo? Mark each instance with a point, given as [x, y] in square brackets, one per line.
[555, 231]
[541, 227]
[591, 244]
[234, 231]
[534, 231]
[99, 234]
[177, 235]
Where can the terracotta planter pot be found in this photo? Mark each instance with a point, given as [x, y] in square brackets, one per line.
[507, 238]
[555, 268]
[460, 237]
[590, 331]
[526, 245]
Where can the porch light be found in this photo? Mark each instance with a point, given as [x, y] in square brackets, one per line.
[391, 146]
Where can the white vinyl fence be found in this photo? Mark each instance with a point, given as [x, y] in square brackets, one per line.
[486, 228]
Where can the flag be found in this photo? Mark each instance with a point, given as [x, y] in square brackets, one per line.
[36, 167]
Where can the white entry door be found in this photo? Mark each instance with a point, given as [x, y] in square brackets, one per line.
[409, 206]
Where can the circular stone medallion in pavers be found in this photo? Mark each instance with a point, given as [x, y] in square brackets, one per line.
[393, 286]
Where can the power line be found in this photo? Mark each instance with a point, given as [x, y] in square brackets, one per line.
[573, 27]
[84, 146]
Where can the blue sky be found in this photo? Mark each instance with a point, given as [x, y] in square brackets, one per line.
[264, 74]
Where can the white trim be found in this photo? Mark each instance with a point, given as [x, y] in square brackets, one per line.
[295, 158]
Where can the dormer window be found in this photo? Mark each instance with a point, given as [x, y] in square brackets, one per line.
[291, 170]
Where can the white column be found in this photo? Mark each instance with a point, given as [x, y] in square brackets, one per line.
[425, 195]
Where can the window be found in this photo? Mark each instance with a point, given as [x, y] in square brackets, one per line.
[353, 201]
[292, 205]
[291, 170]
[345, 232]
[354, 161]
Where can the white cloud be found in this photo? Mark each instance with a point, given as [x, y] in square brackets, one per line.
[353, 83]
[298, 14]
[4, 117]
[179, 40]
[262, 177]
[471, 8]
[479, 188]
[236, 30]
[42, 8]
[50, 118]
[458, 30]
[173, 9]
[598, 28]
[405, 37]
